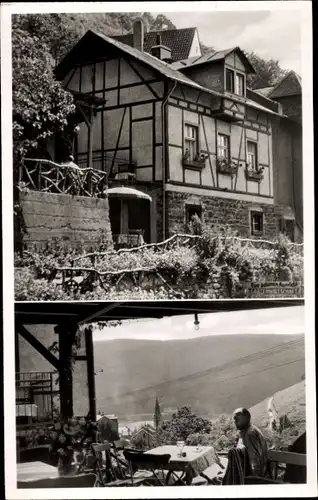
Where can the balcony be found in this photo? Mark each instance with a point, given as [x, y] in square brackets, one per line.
[76, 178]
[65, 178]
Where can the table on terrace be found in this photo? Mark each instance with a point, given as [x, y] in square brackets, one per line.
[33, 471]
[190, 466]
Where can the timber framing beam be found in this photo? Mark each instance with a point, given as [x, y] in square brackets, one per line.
[82, 319]
[38, 346]
[102, 310]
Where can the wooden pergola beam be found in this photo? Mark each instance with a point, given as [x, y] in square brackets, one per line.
[102, 310]
[38, 346]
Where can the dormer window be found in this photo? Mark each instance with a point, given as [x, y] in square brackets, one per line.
[234, 82]
[229, 80]
[240, 84]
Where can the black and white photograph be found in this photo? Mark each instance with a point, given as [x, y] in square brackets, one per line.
[158, 212]
[155, 157]
[152, 393]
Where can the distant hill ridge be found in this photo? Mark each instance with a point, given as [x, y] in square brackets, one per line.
[212, 374]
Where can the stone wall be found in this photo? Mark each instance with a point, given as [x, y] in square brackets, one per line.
[72, 218]
[234, 214]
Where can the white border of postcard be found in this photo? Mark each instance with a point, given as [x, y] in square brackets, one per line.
[12, 493]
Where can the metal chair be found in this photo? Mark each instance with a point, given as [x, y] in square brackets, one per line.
[104, 469]
[146, 468]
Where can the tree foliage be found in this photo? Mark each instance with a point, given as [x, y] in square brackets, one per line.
[183, 423]
[161, 22]
[40, 104]
[268, 72]
[205, 49]
[60, 32]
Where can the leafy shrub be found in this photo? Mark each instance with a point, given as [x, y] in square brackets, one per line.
[183, 424]
[210, 266]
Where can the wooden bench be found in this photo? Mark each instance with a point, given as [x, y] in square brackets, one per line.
[294, 465]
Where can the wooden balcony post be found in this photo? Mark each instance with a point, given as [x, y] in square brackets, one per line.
[65, 372]
[90, 372]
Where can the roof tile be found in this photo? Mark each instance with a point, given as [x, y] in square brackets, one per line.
[289, 85]
[178, 40]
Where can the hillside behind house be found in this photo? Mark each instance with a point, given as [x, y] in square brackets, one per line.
[212, 374]
[290, 401]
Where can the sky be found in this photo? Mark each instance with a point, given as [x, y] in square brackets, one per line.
[271, 34]
[281, 320]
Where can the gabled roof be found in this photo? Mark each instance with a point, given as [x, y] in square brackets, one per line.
[288, 86]
[94, 46]
[212, 57]
[84, 51]
[178, 40]
[265, 91]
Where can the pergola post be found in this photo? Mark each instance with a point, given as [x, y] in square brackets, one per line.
[90, 372]
[66, 336]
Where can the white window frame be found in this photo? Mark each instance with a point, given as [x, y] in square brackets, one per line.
[222, 147]
[251, 155]
[191, 142]
[237, 76]
[233, 73]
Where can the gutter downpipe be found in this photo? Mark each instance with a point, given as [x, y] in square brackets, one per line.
[164, 146]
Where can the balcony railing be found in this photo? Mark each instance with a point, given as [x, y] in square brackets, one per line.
[68, 178]
[34, 397]
[75, 179]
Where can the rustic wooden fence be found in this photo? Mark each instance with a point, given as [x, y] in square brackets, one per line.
[78, 276]
[50, 177]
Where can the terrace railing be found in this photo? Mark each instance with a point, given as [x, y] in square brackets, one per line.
[44, 175]
[50, 177]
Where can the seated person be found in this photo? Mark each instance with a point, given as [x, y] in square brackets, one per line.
[249, 456]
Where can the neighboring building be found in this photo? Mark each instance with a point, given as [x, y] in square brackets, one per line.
[188, 133]
[145, 437]
[287, 150]
[183, 43]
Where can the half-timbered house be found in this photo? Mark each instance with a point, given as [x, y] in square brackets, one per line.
[187, 132]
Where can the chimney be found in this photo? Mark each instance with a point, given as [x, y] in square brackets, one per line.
[138, 34]
[161, 51]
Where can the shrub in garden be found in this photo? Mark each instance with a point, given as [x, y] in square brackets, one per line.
[214, 264]
[183, 424]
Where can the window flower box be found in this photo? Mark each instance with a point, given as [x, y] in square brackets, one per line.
[197, 163]
[226, 167]
[254, 175]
